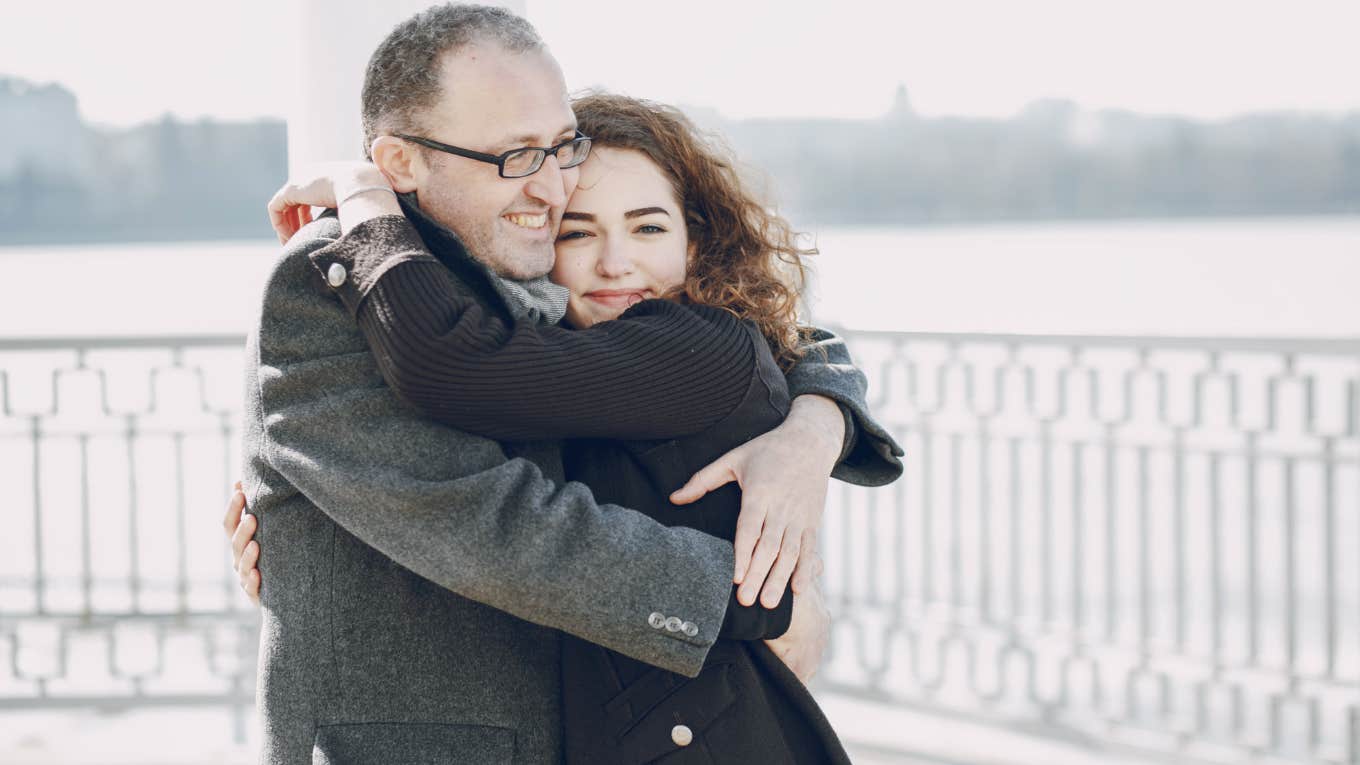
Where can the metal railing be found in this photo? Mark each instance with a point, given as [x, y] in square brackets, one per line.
[115, 589]
[1142, 541]
[1147, 542]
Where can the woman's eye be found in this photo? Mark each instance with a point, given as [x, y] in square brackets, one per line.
[565, 235]
[650, 228]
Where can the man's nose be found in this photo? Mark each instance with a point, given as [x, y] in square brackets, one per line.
[548, 185]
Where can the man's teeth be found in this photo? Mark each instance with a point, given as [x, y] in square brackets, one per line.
[529, 221]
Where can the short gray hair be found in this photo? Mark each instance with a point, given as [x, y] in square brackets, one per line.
[403, 76]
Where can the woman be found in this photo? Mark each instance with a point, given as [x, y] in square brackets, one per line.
[657, 214]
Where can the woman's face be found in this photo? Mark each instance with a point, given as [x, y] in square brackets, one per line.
[622, 239]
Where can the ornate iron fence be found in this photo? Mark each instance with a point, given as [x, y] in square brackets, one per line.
[1149, 541]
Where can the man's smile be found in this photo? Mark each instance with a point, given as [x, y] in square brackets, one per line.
[528, 220]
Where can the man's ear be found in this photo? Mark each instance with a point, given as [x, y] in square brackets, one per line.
[399, 161]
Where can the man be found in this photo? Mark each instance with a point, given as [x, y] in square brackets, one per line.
[417, 574]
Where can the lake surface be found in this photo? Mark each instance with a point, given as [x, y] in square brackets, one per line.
[1274, 277]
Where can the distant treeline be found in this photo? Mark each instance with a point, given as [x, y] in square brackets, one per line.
[64, 180]
[1053, 161]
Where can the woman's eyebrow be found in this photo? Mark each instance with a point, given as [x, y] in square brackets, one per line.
[641, 211]
[587, 217]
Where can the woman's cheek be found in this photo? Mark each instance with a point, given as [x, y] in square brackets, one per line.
[572, 268]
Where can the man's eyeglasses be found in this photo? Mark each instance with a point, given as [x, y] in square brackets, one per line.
[517, 163]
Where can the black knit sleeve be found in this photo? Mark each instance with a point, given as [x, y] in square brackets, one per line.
[661, 370]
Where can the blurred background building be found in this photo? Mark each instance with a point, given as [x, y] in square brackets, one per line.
[1099, 259]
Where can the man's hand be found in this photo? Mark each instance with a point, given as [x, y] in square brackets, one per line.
[245, 551]
[802, 647]
[783, 476]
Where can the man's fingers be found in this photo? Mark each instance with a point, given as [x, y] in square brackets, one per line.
[235, 505]
[782, 570]
[709, 478]
[249, 558]
[767, 549]
[245, 531]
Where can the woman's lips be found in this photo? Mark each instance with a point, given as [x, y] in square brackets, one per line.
[617, 298]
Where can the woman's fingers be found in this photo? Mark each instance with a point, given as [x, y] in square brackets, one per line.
[289, 211]
[767, 550]
[709, 478]
[280, 215]
[783, 569]
[809, 564]
[750, 522]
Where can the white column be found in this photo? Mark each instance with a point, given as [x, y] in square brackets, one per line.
[335, 40]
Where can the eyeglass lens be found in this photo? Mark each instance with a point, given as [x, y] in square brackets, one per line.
[527, 161]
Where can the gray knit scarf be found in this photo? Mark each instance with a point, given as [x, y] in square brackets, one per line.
[537, 299]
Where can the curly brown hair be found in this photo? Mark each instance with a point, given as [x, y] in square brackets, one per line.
[746, 258]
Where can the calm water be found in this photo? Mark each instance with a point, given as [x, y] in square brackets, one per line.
[1294, 276]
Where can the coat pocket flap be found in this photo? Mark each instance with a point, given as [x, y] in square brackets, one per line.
[394, 743]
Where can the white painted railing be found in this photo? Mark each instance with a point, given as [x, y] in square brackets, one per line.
[1149, 541]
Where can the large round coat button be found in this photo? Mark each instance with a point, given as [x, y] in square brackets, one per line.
[336, 275]
[682, 735]
[657, 620]
[673, 624]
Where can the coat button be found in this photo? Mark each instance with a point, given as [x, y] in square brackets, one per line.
[673, 624]
[690, 628]
[657, 620]
[336, 275]
[682, 735]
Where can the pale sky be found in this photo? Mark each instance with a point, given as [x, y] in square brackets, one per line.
[133, 60]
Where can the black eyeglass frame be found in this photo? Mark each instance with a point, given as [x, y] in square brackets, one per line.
[499, 160]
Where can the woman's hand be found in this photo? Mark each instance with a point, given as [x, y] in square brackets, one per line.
[323, 185]
[783, 476]
[245, 551]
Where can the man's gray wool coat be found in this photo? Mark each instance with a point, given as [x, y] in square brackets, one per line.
[415, 576]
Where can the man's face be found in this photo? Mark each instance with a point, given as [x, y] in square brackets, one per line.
[495, 101]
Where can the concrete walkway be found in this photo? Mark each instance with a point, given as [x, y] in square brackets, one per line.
[875, 734]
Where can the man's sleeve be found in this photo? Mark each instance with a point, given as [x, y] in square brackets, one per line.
[451, 507]
[871, 456]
